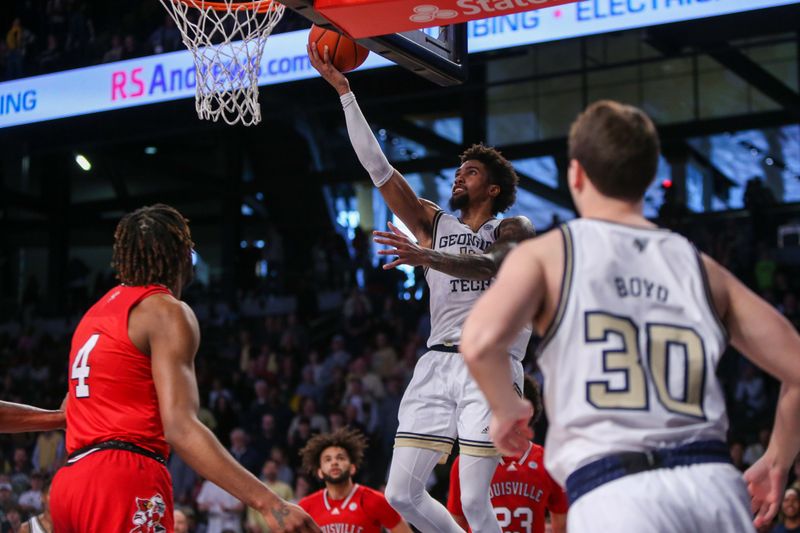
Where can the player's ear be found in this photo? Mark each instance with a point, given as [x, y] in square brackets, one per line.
[352, 470]
[319, 474]
[576, 175]
[494, 190]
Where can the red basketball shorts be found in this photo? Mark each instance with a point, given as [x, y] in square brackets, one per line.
[112, 491]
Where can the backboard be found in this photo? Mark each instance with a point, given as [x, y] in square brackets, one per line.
[438, 54]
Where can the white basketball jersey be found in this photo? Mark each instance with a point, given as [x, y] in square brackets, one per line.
[452, 298]
[629, 361]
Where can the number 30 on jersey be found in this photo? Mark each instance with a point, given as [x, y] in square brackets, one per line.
[627, 359]
[80, 367]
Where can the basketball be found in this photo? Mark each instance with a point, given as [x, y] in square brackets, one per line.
[345, 54]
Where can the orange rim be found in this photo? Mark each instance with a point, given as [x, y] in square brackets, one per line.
[258, 7]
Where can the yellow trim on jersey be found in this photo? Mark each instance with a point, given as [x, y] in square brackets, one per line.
[566, 285]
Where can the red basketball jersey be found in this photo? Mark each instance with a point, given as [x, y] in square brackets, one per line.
[111, 391]
[363, 511]
[521, 490]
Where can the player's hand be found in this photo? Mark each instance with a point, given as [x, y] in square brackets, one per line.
[289, 518]
[510, 428]
[765, 483]
[321, 61]
[407, 251]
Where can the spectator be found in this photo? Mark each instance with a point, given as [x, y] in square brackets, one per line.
[268, 437]
[751, 395]
[80, 33]
[166, 38]
[308, 411]
[302, 488]
[20, 470]
[372, 383]
[242, 452]
[384, 358]
[181, 521]
[30, 501]
[130, 48]
[226, 417]
[269, 475]
[223, 510]
[114, 53]
[7, 500]
[49, 453]
[308, 388]
[754, 451]
[737, 455]
[790, 512]
[285, 472]
[50, 57]
[15, 49]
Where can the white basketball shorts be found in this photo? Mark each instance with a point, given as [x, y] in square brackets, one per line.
[686, 499]
[443, 403]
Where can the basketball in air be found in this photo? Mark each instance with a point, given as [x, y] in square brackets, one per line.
[345, 54]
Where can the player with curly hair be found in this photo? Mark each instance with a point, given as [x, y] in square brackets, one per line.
[344, 506]
[461, 255]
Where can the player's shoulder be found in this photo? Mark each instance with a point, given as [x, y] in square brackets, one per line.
[164, 307]
[430, 205]
[311, 501]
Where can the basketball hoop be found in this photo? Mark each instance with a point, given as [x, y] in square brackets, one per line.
[227, 41]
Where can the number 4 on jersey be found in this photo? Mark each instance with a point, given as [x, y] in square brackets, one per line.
[80, 367]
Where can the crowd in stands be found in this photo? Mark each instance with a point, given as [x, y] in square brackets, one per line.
[269, 382]
[41, 36]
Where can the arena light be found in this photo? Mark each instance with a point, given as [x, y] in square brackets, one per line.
[151, 150]
[83, 162]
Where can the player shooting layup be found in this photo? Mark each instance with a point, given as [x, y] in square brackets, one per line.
[442, 401]
[635, 321]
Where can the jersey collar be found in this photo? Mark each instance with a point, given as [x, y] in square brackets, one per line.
[344, 503]
[523, 457]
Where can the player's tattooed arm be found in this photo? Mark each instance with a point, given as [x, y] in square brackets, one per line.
[464, 266]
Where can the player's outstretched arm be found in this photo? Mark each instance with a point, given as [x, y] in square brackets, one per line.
[512, 302]
[398, 194]
[765, 337]
[511, 231]
[173, 337]
[19, 418]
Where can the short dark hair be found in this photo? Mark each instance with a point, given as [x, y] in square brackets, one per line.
[152, 245]
[501, 173]
[533, 394]
[618, 147]
[351, 441]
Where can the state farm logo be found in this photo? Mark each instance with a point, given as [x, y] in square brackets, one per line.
[429, 13]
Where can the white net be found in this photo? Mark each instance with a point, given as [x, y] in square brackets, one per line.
[227, 41]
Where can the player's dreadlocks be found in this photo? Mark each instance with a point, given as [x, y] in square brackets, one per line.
[152, 245]
[501, 173]
[350, 440]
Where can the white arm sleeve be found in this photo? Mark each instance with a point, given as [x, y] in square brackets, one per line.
[364, 143]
